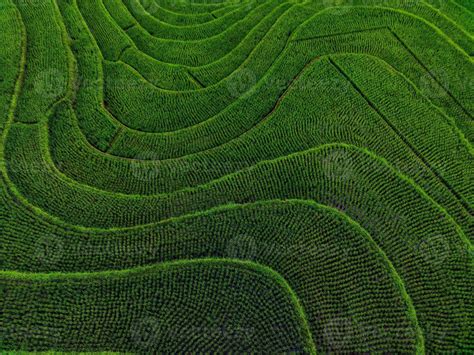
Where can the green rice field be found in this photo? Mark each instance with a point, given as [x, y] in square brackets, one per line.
[237, 176]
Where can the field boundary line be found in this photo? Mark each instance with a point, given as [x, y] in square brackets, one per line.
[449, 18]
[261, 121]
[409, 51]
[430, 73]
[423, 160]
[194, 79]
[74, 184]
[378, 28]
[187, 67]
[132, 43]
[16, 91]
[252, 266]
[137, 24]
[462, 7]
[116, 135]
[338, 215]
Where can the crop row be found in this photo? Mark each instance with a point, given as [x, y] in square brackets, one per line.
[10, 57]
[218, 98]
[424, 247]
[124, 106]
[154, 309]
[391, 130]
[315, 249]
[137, 14]
[309, 166]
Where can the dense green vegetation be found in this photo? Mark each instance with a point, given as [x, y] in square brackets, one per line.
[262, 176]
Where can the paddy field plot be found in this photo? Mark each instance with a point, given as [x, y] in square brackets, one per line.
[264, 176]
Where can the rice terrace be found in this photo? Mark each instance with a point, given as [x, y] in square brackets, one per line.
[237, 176]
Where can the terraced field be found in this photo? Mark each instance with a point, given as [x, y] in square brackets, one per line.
[265, 176]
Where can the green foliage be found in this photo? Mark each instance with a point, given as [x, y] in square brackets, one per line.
[255, 176]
